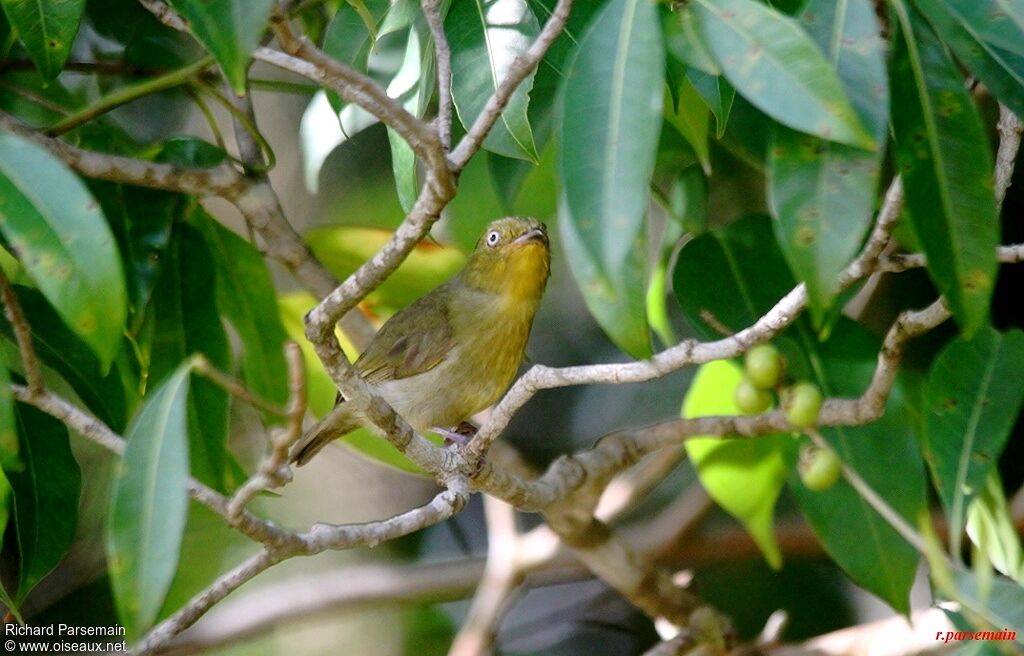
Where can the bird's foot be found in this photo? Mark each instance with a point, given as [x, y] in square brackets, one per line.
[460, 435]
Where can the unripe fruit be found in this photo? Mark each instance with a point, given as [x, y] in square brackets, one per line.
[751, 400]
[763, 365]
[803, 402]
[819, 469]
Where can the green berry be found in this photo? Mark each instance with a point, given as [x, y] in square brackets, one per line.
[763, 365]
[751, 400]
[819, 468]
[802, 405]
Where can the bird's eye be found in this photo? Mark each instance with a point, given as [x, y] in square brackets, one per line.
[492, 238]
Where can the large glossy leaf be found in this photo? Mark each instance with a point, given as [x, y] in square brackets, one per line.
[486, 37]
[974, 394]
[45, 492]
[343, 249]
[942, 151]
[58, 233]
[351, 36]
[246, 298]
[149, 503]
[551, 73]
[618, 76]
[407, 85]
[778, 68]
[141, 221]
[686, 111]
[105, 394]
[743, 476]
[969, 34]
[47, 29]
[229, 29]
[885, 454]
[617, 302]
[749, 272]
[822, 194]
[187, 322]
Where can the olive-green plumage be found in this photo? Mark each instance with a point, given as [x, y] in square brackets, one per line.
[455, 351]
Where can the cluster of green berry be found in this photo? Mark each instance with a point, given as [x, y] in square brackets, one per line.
[763, 369]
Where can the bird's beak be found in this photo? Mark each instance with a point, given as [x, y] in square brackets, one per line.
[533, 234]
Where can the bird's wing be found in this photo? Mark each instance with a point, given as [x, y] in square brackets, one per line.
[415, 340]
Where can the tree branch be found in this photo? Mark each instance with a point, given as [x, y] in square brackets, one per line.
[443, 59]
[502, 576]
[220, 180]
[22, 335]
[273, 471]
[1010, 130]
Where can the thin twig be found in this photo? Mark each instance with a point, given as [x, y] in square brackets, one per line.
[443, 57]
[273, 470]
[125, 95]
[320, 538]
[203, 367]
[357, 88]
[22, 335]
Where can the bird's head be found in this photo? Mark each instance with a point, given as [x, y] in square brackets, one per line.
[512, 258]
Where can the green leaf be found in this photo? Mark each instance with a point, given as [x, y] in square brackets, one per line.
[149, 503]
[967, 33]
[186, 323]
[141, 221]
[486, 38]
[684, 42]
[973, 396]
[992, 606]
[57, 231]
[618, 75]
[743, 476]
[690, 116]
[246, 298]
[46, 492]
[617, 301]
[405, 85]
[990, 527]
[229, 29]
[8, 430]
[942, 151]
[885, 454]
[104, 393]
[748, 271]
[717, 93]
[551, 73]
[349, 37]
[46, 28]
[822, 194]
[778, 68]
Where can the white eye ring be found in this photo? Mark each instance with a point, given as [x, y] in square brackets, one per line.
[493, 237]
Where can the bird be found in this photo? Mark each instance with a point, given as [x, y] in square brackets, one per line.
[456, 350]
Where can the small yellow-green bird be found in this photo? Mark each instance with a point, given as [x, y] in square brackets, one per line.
[455, 351]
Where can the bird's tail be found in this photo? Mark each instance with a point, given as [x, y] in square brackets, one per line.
[337, 423]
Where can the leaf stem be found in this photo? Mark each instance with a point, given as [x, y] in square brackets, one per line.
[129, 93]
